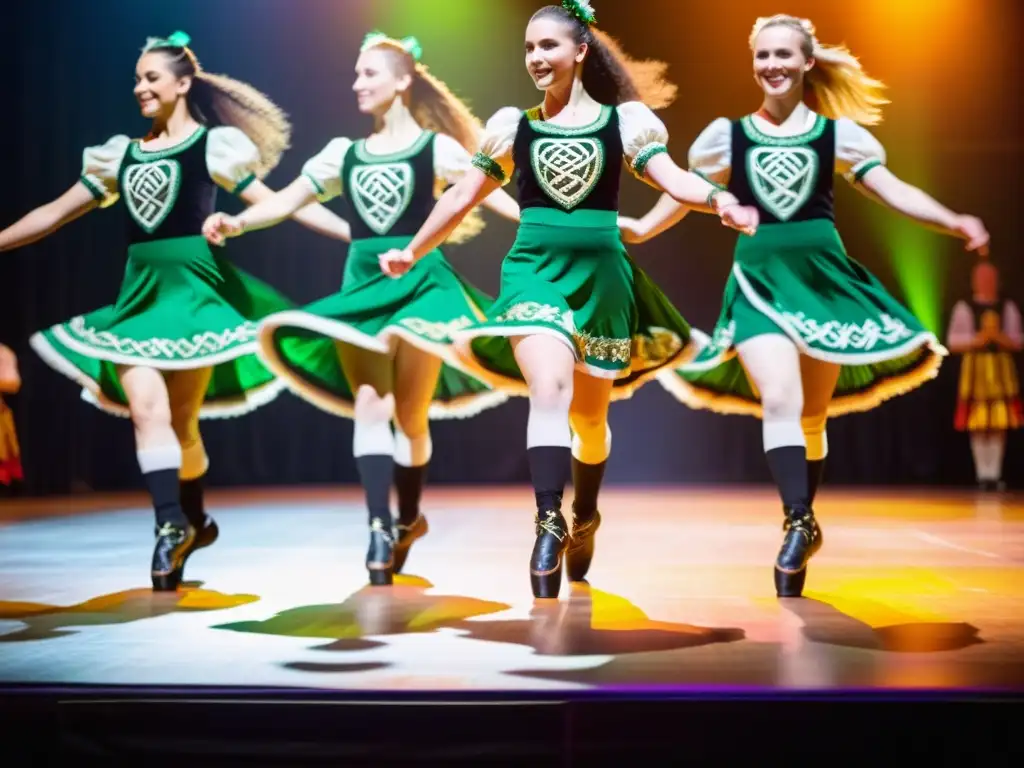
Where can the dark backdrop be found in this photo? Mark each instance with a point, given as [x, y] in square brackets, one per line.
[953, 127]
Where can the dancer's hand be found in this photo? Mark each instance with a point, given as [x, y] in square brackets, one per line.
[973, 231]
[220, 226]
[743, 218]
[396, 263]
[629, 230]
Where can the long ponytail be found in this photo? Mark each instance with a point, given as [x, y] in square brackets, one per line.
[221, 100]
[436, 108]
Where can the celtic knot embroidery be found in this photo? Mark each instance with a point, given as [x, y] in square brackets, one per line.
[535, 312]
[151, 190]
[436, 331]
[198, 346]
[837, 335]
[567, 169]
[782, 178]
[381, 193]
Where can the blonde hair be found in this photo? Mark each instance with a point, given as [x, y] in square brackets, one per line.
[610, 75]
[222, 100]
[839, 85]
[435, 108]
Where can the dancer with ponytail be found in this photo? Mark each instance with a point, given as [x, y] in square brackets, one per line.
[180, 341]
[576, 324]
[814, 331]
[393, 338]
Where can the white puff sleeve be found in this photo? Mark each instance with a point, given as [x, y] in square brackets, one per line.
[323, 170]
[643, 135]
[961, 326]
[495, 155]
[231, 158]
[100, 166]
[857, 150]
[711, 153]
[451, 160]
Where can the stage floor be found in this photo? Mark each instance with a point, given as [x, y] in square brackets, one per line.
[912, 590]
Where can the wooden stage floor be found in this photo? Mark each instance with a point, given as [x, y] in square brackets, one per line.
[913, 590]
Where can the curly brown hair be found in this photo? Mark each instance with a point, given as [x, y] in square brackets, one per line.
[221, 100]
[610, 75]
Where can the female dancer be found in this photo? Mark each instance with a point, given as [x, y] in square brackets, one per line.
[10, 453]
[575, 319]
[180, 340]
[391, 337]
[986, 330]
[815, 332]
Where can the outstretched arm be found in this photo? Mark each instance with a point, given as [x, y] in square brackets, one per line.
[452, 162]
[665, 214]
[886, 188]
[448, 212]
[502, 204]
[310, 213]
[47, 219]
[700, 195]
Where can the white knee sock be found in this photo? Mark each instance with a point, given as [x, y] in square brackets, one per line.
[782, 433]
[159, 458]
[548, 427]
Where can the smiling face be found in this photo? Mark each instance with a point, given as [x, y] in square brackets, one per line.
[552, 52]
[157, 88]
[780, 61]
[379, 80]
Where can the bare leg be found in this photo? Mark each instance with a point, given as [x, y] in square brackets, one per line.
[819, 382]
[186, 391]
[591, 445]
[416, 374]
[773, 363]
[160, 461]
[547, 365]
[373, 445]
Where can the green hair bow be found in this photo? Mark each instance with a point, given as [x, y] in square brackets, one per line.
[408, 44]
[174, 40]
[581, 9]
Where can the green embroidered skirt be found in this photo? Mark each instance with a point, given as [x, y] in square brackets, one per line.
[182, 306]
[568, 276]
[796, 279]
[373, 311]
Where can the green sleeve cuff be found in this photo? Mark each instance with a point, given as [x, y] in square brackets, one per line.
[643, 157]
[244, 183]
[489, 166]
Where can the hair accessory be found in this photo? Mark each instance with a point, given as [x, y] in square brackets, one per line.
[410, 45]
[582, 10]
[174, 40]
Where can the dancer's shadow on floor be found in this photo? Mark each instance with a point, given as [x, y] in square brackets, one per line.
[45, 622]
[591, 623]
[403, 608]
[826, 624]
